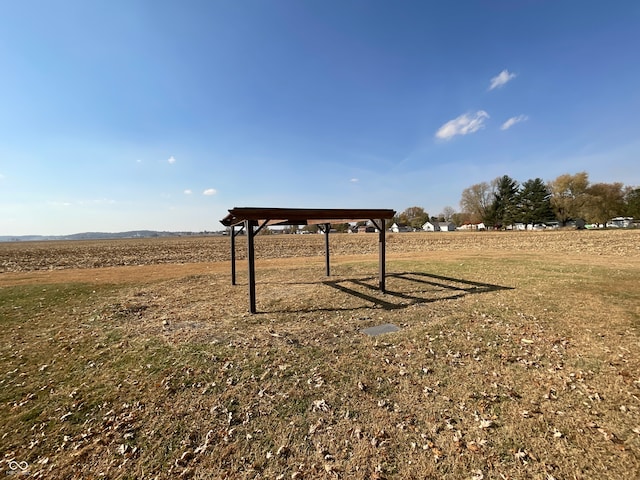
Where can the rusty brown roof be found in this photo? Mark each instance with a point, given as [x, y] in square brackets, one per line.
[304, 216]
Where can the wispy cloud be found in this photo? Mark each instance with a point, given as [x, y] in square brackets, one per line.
[512, 121]
[463, 125]
[188, 192]
[502, 78]
[171, 160]
[353, 180]
[96, 201]
[83, 203]
[210, 191]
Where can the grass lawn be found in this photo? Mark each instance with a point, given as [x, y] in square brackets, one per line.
[518, 356]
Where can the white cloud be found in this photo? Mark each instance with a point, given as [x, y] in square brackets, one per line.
[463, 125]
[353, 180]
[503, 77]
[512, 121]
[188, 192]
[210, 191]
[172, 160]
[95, 201]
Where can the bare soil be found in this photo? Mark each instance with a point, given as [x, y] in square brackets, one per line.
[174, 257]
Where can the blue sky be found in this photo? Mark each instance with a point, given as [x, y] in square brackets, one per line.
[128, 114]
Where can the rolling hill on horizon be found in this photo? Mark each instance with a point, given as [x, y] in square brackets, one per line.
[102, 235]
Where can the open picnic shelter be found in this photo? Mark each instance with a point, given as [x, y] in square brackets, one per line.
[252, 220]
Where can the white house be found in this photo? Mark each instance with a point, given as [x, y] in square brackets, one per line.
[439, 227]
[472, 226]
[431, 227]
[447, 226]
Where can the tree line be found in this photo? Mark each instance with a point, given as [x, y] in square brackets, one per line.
[504, 201]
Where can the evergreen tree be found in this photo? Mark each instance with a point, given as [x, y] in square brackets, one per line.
[632, 202]
[504, 209]
[535, 202]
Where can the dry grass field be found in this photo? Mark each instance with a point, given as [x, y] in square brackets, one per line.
[518, 357]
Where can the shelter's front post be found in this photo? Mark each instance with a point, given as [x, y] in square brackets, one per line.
[233, 254]
[249, 224]
[327, 228]
[381, 253]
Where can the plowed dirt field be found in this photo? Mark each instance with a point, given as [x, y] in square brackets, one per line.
[34, 256]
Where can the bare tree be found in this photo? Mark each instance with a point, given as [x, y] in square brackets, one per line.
[604, 201]
[476, 201]
[448, 213]
[568, 195]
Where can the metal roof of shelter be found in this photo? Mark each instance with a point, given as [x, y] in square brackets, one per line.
[303, 216]
[253, 219]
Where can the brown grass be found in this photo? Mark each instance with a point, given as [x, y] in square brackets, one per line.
[518, 358]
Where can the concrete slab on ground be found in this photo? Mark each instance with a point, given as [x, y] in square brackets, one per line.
[380, 329]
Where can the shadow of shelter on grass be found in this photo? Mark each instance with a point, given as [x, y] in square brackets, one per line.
[404, 289]
[444, 288]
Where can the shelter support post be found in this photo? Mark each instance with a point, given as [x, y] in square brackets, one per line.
[233, 251]
[249, 224]
[233, 255]
[327, 228]
[382, 254]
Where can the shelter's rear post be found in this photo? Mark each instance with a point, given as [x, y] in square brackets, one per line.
[233, 254]
[382, 254]
[234, 234]
[327, 228]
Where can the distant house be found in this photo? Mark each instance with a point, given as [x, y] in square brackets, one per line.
[439, 227]
[400, 227]
[431, 227]
[472, 226]
[447, 226]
